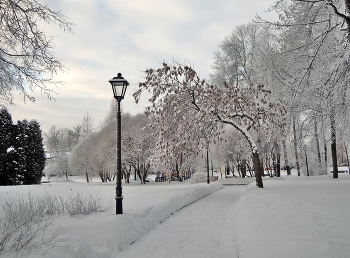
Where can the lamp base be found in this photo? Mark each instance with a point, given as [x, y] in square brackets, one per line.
[119, 205]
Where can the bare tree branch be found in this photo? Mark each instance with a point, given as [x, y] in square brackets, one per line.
[27, 61]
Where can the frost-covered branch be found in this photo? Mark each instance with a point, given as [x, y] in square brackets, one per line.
[27, 60]
[197, 111]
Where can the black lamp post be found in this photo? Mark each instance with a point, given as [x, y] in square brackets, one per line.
[119, 85]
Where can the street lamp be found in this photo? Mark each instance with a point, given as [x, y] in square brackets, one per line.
[119, 85]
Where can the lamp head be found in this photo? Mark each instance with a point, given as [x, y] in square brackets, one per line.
[119, 85]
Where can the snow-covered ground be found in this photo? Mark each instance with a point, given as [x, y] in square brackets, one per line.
[203, 229]
[105, 234]
[290, 217]
[295, 217]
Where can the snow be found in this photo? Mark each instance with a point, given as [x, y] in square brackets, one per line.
[195, 231]
[295, 217]
[104, 234]
[290, 217]
[11, 149]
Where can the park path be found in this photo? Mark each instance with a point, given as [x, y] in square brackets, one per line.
[203, 229]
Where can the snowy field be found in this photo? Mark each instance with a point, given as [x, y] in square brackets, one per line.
[295, 217]
[291, 217]
[105, 234]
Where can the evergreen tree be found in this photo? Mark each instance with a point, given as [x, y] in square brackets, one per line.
[22, 156]
[5, 146]
[35, 154]
[21, 147]
[11, 169]
[30, 152]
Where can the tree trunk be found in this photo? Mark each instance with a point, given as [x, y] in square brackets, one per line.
[249, 169]
[127, 178]
[238, 169]
[334, 145]
[208, 179]
[257, 169]
[307, 165]
[317, 143]
[278, 159]
[102, 176]
[296, 146]
[126, 172]
[324, 146]
[347, 157]
[285, 154]
[242, 168]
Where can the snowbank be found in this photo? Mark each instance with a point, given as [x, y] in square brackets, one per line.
[290, 217]
[105, 234]
[295, 217]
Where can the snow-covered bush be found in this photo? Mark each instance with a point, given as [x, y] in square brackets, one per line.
[198, 177]
[23, 223]
[77, 205]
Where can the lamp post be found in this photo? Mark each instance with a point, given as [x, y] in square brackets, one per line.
[119, 85]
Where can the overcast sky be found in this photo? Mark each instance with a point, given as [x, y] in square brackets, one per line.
[128, 36]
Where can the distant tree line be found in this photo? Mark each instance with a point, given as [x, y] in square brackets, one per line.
[60, 142]
[22, 156]
[86, 150]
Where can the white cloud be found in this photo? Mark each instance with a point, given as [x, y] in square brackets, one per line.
[129, 36]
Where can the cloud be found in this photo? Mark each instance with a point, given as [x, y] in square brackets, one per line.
[129, 36]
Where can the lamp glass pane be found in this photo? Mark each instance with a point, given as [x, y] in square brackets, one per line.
[119, 86]
[118, 89]
[124, 89]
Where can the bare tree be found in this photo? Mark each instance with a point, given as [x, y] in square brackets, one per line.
[59, 143]
[313, 64]
[187, 112]
[27, 59]
[237, 61]
[52, 139]
[95, 155]
[232, 149]
[86, 126]
[339, 8]
[138, 145]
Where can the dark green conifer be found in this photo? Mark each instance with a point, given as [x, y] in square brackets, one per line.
[7, 175]
[35, 154]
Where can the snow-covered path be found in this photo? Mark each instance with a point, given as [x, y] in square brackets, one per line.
[203, 229]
